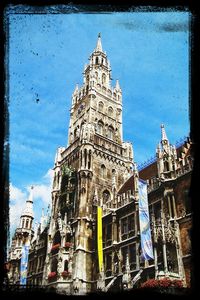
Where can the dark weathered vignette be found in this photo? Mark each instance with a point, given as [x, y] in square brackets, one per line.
[44, 7]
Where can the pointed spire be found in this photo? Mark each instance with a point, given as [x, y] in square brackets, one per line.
[163, 133]
[99, 45]
[28, 211]
[117, 85]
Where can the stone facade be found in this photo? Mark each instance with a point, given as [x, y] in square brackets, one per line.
[93, 166]
[169, 179]
[97, 168]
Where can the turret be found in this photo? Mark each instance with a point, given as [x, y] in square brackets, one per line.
[27, 215]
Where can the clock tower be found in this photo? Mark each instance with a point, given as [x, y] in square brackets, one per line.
[87, 173]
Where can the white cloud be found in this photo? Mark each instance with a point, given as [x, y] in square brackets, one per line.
[42, 191]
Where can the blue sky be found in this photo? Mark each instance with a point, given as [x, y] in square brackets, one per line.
[149, 54]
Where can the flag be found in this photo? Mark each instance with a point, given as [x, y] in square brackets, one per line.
[24, 264]
[99, 238]
[145, 232]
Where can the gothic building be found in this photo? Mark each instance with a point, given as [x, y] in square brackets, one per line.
[169, 179]
[87, 172]
[97, 169]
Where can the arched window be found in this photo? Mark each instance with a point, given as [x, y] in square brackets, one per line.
[103, 78]
[100, 127]
[57, 238]
[106, 196]
[66, 265]
[110, 132]
[110, 111]
[97, 61]
[103, 171]
[27, 223]
[23, 223]
[54, 265]
[166, 166]
[101, 106]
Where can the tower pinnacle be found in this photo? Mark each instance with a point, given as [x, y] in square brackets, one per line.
[28, 211]
[99, 45]
[163, 133]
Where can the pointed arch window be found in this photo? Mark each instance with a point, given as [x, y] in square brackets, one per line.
[106, 196]
[110, 111]
[103, 78]
[27, 221]
[54, 265]
[166, 166]
[100, 127]
[101, 105]
[103, 171]
[110, 132]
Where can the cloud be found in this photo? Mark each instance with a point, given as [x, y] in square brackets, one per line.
[42, 191]
[174, 27]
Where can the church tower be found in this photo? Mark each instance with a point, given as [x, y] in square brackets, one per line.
[87, 172]
[23, 235]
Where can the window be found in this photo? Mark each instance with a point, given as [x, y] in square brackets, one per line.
[128, 227]
[26, 223]
[103, 171]
[106, 196]
[132, 256]
[101, 105]
[66, 265]
[166, 166]
[103, 78]
[54, 265]
[124, 251]
[172, 260]
[107, 235]
[97, 61]
[100, 128]
[108, 264]
[110, 111]
[110, 132]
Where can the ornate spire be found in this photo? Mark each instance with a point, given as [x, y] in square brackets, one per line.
[99, 45]
[163, 133]
[28, 211]
[117, 85]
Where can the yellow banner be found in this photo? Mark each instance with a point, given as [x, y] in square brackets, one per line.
[99, 238]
